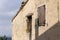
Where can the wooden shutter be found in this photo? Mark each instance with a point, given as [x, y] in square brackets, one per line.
[41, 15]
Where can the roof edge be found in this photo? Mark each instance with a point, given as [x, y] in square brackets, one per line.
[22, 6]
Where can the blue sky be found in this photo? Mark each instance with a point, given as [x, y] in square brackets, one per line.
[8, 9]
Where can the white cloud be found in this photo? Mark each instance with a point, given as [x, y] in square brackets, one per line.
[5, 23]
[24, 0]
[9, 5]
[8, 9]
[5, 31]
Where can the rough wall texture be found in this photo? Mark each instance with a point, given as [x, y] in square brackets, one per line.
[51, 29]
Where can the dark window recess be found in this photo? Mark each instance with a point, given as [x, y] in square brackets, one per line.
[29, 24]
[41, 15]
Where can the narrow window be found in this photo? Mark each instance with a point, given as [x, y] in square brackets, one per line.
[41, 15]
[29, 24]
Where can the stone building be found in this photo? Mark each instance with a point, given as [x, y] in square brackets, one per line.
[37, 20]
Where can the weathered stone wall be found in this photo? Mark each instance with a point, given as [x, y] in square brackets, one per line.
[48, 32]
[20, 25]
[51, 30]
[59, 10]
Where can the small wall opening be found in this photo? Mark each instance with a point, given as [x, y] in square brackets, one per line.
[29, 26]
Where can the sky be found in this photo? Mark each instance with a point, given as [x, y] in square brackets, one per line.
[8, 9]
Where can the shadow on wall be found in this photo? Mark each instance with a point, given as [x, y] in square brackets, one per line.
[52, 34]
